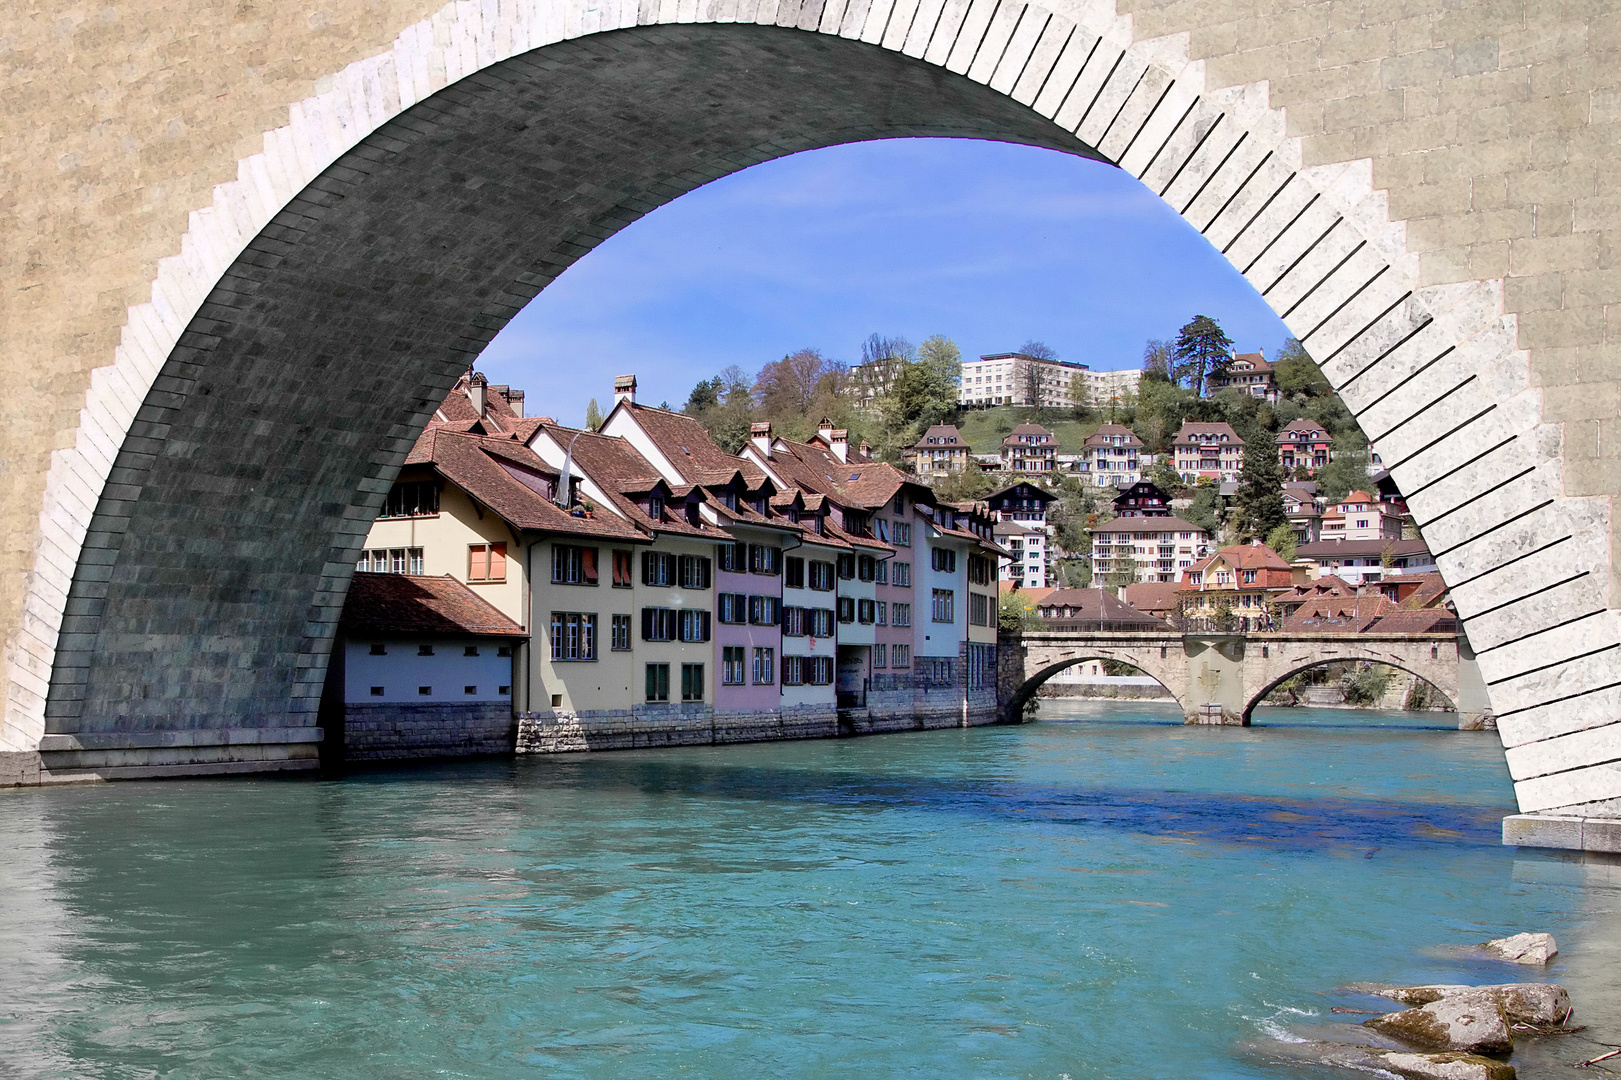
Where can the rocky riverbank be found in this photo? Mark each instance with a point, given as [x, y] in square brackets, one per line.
[1447, 1031]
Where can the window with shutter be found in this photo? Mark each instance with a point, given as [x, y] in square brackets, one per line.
[658, 682]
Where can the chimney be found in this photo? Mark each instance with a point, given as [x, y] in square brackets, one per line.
[866, 449]
[825, 430]
[478, 391]
[625, 389]
[515, 400]
[840, 443]
[760, 436]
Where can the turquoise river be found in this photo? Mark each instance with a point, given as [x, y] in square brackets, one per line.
[1103, 893]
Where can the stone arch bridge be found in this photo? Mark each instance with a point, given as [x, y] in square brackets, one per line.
[1221, 678]
[245, 249]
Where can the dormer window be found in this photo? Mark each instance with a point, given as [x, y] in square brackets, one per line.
[655, 507]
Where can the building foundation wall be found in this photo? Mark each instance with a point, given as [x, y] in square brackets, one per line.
[397, 731]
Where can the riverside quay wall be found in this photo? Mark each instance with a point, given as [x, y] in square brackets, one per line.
[893, 703]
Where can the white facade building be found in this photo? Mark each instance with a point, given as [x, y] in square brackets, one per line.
[1010, 378]
[1153, 548]
[1030, 564]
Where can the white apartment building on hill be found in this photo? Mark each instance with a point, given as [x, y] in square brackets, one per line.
[1010, 378]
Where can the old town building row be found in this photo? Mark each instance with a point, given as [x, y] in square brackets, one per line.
[643, 587]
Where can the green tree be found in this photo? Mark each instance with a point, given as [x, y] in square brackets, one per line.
[969, 485]
[704, 396]
[1016, 612]
[1165, 476]
[940, 355]
[1347, 471]
[1075, 573]
[1202, 351]
[1205, 510]
[1080, 394]
[593, 415]
[1260, 489]
[1297, 373]
[1284, 541]
[925, 391]
[1161, 408]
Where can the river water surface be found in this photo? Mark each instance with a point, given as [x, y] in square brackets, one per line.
[1104, 893]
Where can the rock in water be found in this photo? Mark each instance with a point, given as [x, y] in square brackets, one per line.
[1535, 949]
[1471, 1023]
[1527, 1003]
[1444, 1066]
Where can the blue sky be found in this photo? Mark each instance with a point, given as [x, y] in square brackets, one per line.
[988, 243]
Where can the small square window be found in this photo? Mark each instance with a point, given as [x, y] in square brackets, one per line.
[424, 650]
[378, 649]
[504, 650]
[504, 691]
[469, 689]
[425, 691]
[377, 691]
[557, 701]
[471, 650]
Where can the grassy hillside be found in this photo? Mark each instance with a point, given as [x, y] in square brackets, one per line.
[985, 428]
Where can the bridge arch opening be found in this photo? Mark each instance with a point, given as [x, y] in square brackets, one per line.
[197, 540]
[1017, 707]
[1366, 683]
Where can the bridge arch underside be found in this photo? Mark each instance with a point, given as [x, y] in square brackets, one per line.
[196, 547]
[1436, 679]
[1170, 673]
[216, 566]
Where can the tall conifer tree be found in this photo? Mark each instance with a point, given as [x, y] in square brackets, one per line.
[1202, 351]
[1260, 489]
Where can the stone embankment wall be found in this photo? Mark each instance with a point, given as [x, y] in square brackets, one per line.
[397, 731]
[559, 732]
[891, 703]
[555, 731]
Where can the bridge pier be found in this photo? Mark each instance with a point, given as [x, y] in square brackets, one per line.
[1215, 680]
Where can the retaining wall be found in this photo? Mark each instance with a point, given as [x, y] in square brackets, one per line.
[398, 730]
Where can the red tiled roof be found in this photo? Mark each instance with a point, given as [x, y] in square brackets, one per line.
[383, 604]
[946, 435]
[1431, 592]
[1152, 596]
[510, 479]
[1149, 524]
[498, 418]
[616, 467]
[1094, 605]
[1188, 429]
[1326, 586]
[1296, 430]
[1102, 435]
[695, 455]
[1367, 614]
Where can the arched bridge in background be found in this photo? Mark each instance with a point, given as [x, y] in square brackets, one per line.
[1221, 678]
[248, 249]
